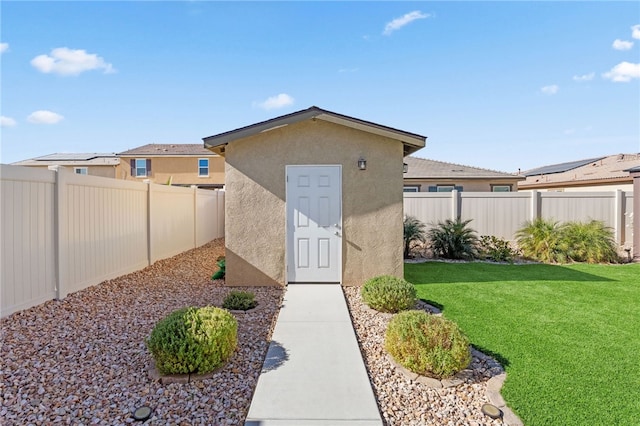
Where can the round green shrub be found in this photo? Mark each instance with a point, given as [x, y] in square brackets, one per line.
[240, 301]
[426, 344]
[388, 294]
[193, 340]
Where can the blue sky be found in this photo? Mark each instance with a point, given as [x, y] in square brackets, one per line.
[500, 85]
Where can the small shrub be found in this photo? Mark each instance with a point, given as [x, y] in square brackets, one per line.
[426, 344]
[540, 239]
[219, 274]
[452, 239]
[496, 249]
[240, 301]
[388, 294]
[193, 340]
[590, 242]
[414, 232]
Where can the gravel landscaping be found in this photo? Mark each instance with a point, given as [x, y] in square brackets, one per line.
[407, 402]
[82, 360]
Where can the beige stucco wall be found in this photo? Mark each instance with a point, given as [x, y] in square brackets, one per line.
[590, 188]
[255, 208]
[181, 170]
[468, 185]
[101, 171]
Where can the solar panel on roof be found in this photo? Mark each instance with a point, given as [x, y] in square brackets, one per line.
[72, 156]
[559, 168]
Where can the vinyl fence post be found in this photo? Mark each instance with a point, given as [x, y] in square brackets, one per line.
[195, 215]
[535, 205]
[61, 232]
[149, 222]
[618, 218]
[455, 204]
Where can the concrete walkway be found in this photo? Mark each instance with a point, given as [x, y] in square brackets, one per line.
[313, 373]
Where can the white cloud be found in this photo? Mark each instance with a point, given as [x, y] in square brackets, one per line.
[635, 31]
[585, 77]
[624, 72]
[44, 117]
[66, 61]
[622, 44]
[7, 121]
[4, 47]
[274, 102]
[398, 23]
[550, 90]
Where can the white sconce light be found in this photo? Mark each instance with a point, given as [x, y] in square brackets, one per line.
[405, 168]
[362, 164]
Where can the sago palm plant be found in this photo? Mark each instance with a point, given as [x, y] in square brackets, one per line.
[414, 232]
[452, 239]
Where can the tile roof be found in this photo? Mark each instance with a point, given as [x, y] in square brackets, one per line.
[606, 168]
[157, 149]
[423, 168]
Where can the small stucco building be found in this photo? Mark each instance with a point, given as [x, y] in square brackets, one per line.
[313, 197]
[634, 172]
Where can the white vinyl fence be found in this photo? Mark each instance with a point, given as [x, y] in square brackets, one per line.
[62, 232]
[502, 213]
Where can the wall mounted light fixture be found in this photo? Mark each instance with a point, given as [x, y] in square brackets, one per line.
[405, 168]
[362, 164]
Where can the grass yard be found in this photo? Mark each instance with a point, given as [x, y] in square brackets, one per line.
[568, 336]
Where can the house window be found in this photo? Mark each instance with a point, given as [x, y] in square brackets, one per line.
[80, 170]
[140, 167]
[412, 188]
[501, 188]
[203, 167]
[445, 188]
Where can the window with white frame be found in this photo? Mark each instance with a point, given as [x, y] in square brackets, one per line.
[81, 170]
[203, 167]
[140, 167]
[411, 188]
[501, 188]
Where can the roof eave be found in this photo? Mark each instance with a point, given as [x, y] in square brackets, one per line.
[411, 142]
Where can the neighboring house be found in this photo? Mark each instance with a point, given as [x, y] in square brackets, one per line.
[95, 164]
[635, 175]
[313, 197]
[424, 175]
[593, 174]
[175, 164]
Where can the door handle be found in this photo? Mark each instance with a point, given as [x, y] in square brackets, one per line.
[336, 225]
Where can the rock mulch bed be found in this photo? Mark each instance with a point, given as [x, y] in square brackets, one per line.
[403, 401]
[82, 360]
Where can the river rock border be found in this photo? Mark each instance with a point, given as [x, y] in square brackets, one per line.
[494, 384]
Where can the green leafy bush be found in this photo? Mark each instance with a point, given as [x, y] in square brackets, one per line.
[496, 249]
[240, 301]
[193, 340]
[453, 239]
[590, 242]
[219, 274]
[426, 344]
[414, 232]
[388, 294]
[550, 242]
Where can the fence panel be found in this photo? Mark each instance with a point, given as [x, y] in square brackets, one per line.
[104, 234]
[27, 246]
[209, 220]
[500, 214]
[62, 232]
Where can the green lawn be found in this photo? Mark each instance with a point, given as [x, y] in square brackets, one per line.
[568, 336]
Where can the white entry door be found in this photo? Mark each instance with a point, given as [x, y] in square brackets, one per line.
[314, 224]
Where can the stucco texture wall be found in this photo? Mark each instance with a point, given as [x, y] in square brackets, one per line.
[181, 170]
[468, 185]
[255, 209]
